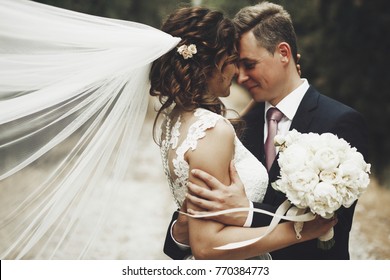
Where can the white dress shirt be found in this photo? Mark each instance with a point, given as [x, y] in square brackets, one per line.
[288, 106]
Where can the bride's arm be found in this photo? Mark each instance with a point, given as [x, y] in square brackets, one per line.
[213, 154]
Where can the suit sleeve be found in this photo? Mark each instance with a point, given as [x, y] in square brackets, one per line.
[261, 220]
[352, 127]
[171, 249]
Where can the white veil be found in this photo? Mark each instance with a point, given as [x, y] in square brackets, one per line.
[74, 81]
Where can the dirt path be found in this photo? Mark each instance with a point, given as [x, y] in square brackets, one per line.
[370, 236]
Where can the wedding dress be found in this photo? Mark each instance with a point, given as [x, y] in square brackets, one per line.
[74, 91]
[177, 139]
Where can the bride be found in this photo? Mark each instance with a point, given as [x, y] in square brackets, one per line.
[79, 82]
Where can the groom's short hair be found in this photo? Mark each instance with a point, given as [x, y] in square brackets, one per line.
[270, 23]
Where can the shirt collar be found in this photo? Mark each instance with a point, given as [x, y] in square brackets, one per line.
[289, 105]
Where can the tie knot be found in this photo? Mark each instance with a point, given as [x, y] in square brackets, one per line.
[274, 114]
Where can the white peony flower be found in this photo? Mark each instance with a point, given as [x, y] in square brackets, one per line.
[292, 136]
[293, 158]
[279, 141]
[304, 180]
[325, 200]
[331, 176]
[326, 158]
[349, 172]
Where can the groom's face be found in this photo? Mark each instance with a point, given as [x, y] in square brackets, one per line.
[260, 71]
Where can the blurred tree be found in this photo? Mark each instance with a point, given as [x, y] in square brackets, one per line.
[343, 44]
[348, 61]
[229, 7]
[149, 12]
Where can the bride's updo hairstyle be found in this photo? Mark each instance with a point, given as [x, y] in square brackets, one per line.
[183, 81]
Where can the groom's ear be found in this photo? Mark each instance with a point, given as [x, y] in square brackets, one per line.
[284, 52]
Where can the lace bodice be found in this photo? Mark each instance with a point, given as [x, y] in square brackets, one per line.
[180, 136]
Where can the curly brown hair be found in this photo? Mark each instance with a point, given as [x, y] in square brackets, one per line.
[183, 82]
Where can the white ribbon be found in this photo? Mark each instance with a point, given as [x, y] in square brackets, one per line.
[293, 214]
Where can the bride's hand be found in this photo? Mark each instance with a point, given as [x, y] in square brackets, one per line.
[298, 65]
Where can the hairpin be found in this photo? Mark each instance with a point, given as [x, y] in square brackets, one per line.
[187, 51]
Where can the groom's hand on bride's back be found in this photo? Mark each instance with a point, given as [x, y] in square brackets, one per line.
[219, 197]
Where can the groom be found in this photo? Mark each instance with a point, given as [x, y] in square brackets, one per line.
[267, 48]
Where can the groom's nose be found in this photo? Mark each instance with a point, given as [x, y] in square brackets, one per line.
[242, 76]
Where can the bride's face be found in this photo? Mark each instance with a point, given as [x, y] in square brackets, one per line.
[220, 82]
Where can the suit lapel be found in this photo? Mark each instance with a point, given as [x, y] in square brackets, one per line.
[304, 115]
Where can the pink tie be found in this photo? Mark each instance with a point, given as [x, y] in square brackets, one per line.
[273, 117]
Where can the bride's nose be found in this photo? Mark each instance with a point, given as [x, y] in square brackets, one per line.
[236, 70]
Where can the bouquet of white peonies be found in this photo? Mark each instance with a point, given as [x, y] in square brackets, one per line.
[320, 172]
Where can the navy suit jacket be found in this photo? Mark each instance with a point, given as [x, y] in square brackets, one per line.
[316, 113]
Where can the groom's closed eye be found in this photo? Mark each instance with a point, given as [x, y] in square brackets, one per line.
[248, 64]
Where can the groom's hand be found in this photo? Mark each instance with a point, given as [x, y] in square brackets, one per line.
[219, 197]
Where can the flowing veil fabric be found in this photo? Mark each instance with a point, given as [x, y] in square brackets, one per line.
[73, 98]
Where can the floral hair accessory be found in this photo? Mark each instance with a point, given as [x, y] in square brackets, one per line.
[187, 51]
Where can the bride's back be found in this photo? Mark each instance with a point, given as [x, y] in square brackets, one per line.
[181, 133]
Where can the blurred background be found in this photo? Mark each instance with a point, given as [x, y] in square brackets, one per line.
[344, 46]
